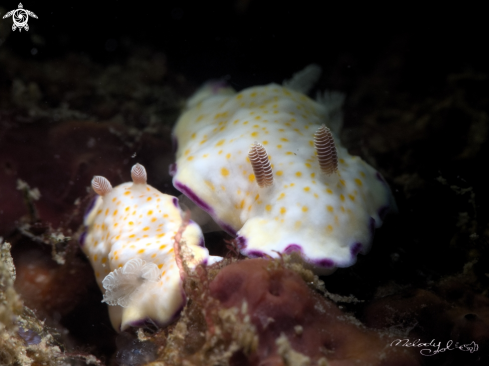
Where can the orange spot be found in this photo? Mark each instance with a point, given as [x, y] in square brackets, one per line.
[160, 266]
[146, 228]
[149, 199]
[126, 193]
[140, 251]
[162, 247]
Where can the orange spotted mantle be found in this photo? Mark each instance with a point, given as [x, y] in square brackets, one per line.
[326, 218]
[136, 221]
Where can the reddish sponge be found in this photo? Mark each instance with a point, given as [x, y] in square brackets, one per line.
[279, 302]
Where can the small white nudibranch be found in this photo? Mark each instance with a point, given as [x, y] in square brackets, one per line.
[130, 242]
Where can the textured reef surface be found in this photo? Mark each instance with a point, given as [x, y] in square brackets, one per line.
[415, 111]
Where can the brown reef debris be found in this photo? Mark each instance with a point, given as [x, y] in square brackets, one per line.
[259, 312]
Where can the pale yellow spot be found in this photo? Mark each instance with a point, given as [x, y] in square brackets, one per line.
[228, 155]
[190, 158]
[330, 208]
[127, 208]
[132, 236]
[150, 212]
[160, 236]
[279, 173]
[224, 172]
[265, 142]
[106, 212]
[284, 139]
[362, 174]
[305, 208]
[282, 195]
[95, 257]
[352, 197]
[254, 134]
[329, 191]
[358, 182]
[329, 228]
[307, 189]
[210, 185]
[251, 177]
[140, 251]
[131, 223]
[342, 198]
[146, 228]
[289, 153]
[193, 135]
[153, 255]
[313, 175]
[298, 174]
[220, 142]
[268, 208]
[279, 146]
[307, 165]
[283, 210]
[127, 193]
[242, 204]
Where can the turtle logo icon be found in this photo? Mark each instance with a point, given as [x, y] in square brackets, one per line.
[20, 17]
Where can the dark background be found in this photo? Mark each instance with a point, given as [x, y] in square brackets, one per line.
[251, 41]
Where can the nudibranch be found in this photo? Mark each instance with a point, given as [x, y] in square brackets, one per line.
[129, 241]
[263, 163]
